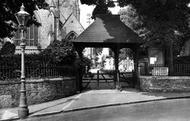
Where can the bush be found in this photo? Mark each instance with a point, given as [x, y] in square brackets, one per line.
[59, 59]
[61, 52]
[7, 49]
[183, 59]
[81, 64]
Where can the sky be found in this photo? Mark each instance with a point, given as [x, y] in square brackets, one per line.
[85, 9]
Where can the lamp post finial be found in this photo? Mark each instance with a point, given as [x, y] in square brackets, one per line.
[22, 7]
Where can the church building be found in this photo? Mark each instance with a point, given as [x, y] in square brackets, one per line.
[60, 21]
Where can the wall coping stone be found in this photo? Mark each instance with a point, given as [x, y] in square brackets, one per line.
[166, 77]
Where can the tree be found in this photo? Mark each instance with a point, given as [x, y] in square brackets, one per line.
[101, 6]
[132, 19]
[165, 21]
[7, 10]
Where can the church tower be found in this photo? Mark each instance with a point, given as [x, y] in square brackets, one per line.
[66, 7]
[76, 10]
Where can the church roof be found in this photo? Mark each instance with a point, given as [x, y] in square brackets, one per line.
[72, 24]
[108, 29]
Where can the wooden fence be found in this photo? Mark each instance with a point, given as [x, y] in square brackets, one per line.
[104, 80]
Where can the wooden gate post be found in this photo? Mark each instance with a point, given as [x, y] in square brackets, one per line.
[79, 74]
[98, 79]
[116, 62]
[136, 82]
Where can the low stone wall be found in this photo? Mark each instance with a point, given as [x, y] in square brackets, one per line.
[165, 83]
[38, 91]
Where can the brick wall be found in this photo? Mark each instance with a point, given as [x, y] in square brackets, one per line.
[165, 83]
[38, 91]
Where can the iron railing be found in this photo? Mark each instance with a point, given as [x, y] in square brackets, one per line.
[40, 71]
[180, 69]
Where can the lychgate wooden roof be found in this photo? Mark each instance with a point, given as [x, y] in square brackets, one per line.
[107, 30]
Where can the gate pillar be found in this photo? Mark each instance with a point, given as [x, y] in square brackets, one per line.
[116, 63]
[79, 70]
[136, 82]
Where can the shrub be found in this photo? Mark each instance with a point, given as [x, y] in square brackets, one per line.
[183, 59]
[61, 52]
[81, 64]
[7, 49]
[59, 59]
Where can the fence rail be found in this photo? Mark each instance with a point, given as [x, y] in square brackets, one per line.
[180, 69]
[106, 79]
[40, 71]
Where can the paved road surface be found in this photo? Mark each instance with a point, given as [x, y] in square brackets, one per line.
[164, 110]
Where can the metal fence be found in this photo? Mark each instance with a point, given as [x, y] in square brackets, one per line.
[9, 72]
[180, 69]
[39, 71]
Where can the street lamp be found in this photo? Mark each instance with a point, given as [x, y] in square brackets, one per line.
[22, 17]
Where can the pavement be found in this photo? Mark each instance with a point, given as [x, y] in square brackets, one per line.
[92, 99]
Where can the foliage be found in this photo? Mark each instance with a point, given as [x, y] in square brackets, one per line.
[36, 66]
[184, 59]
[58, 58]
[30, 59]
[82, 63]
[61, 52]
[7, 10]
[98, 50]
[163, 21]
[101, 6]
[124, 53]
[7, 49]
[132, 19]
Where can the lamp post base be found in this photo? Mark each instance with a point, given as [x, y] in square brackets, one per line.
[23, 112]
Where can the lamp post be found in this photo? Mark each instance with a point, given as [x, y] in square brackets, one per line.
[22, 17]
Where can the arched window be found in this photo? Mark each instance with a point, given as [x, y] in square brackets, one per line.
[71, 35]
[31, 36]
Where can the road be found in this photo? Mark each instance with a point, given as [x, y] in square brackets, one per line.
[164, 110]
